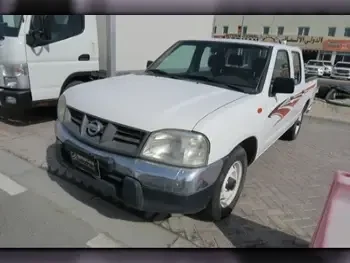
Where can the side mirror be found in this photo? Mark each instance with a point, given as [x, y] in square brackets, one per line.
[40, 34]
[283, 86]
[46, 26]
[149, 62]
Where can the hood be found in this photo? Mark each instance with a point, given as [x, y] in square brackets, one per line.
[314, 67]
[149, 102]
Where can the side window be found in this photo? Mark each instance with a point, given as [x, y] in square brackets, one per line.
[297, 67]
[282, 67]
[61, 27]
[179, 60]
[203, 66]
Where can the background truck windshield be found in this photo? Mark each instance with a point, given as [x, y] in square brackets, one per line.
[343, 65]
[10, 24]
[225, 63]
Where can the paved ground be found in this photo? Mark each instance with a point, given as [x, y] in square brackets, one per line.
[284, 194]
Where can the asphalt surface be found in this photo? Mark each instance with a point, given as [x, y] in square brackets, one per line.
[28, 220]
[280, 205]
[36, 211]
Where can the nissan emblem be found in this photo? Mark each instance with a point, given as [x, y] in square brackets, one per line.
[94, 128]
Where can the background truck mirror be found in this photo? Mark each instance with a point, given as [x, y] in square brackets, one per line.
[30, 40]
[283, 86]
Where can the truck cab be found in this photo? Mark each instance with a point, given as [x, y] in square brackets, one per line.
[37, 63]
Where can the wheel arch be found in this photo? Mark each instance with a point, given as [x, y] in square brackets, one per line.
[83, 76]
[250, 145]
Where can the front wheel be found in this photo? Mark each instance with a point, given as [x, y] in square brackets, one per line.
[229, 185]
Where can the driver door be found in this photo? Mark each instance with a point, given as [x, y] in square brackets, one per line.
[279, 111]
[72, 48]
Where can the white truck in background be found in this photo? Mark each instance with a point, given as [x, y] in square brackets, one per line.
[42, 55]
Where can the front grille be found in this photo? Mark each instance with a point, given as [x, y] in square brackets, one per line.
[115, 137]
[342, 71]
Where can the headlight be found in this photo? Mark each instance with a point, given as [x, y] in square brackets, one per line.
[61, 108]
[15, 76]
[175, 147]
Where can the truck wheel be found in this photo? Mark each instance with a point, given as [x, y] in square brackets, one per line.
[71, 84]
[293, 132]
[229, 186]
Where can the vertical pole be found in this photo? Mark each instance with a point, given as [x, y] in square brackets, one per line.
[111, 45]
[242, 24]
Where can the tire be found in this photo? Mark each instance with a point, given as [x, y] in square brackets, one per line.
[216, 210]
[331, 95]
[322, 92]
[292, 133]
[71, 84]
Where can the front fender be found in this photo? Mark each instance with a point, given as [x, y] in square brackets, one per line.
[228, 127]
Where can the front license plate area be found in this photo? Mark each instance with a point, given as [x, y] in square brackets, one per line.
[85, 163]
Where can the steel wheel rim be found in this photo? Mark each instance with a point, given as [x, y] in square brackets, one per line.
[228, 195]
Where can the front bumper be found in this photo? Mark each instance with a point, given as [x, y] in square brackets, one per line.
[141, 184]
[15, 99]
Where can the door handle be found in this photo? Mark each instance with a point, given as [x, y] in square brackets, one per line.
[84, 57]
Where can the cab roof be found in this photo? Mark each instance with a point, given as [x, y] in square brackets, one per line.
[250, 42]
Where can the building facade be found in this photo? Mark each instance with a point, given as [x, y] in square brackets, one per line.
[325, 37]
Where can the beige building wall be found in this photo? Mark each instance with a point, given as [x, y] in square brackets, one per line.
[318, 24]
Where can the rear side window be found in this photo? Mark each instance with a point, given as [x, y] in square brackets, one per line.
[282, 66]
[297, 67]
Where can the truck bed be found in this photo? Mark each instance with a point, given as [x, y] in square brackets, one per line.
[309, 77]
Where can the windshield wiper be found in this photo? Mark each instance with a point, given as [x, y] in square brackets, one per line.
[158, 71]
[214, 81]
[162, 73]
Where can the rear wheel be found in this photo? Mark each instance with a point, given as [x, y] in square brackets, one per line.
[229, 186]
[292, 133]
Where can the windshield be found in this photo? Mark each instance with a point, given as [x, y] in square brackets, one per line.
[10, 24]
[343, 65]
[315, 63]
[327, 63]
[221, 63]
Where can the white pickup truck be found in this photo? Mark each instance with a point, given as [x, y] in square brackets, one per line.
[178, 137]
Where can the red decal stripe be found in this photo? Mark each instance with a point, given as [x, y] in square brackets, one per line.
[292, 103]
[281, 112]
[284, 109]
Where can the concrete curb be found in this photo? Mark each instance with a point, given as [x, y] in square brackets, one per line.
[336, 121]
